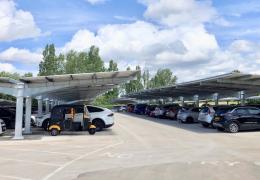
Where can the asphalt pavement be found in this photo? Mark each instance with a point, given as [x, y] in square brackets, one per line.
[135, 148]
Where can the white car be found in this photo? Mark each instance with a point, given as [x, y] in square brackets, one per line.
[189, 115]
[100, 117]
[2, 127]
[206, 116]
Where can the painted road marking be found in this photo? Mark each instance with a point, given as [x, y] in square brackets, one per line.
[79, 158]
[13, 177]
[116, 155]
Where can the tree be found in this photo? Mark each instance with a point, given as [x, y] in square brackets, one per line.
[134, 85]
[51, 65]
[163, 77]
[94, 63]
[146, 78]
[112, 66]
[29, 74]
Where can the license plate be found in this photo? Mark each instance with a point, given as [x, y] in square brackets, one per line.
[217, 118]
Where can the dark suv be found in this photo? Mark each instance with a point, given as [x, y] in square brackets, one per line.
[238, 118]
[8, 116]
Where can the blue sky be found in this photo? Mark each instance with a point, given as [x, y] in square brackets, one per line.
[183, 35]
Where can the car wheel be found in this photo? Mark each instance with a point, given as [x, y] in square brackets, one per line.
[189, 120]
[233, 127]
[92, 131]
[54, 132]
[100, 125]
[206, 125]
[45, 124]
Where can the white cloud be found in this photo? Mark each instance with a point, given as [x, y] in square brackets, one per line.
[7, 67]
[16, 23]
[180, 12]
[178, 41]
[23, 56]
[94, 2]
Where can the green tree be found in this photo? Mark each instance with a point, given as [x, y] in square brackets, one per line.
[134, 85]
[29, 74]
[94, 62]
[163, 77]
[51, 65]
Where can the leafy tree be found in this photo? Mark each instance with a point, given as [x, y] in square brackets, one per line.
[29, 74]
[112, 66]
[51, 64]
[163, 77]
[134, 85]
[95, 63]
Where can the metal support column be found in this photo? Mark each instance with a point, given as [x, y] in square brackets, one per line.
[196, 99]
[19, 112]
[242, 97]
[28, 113]
[216, 98]
[39, 106]
[182, 100]
[47, 106]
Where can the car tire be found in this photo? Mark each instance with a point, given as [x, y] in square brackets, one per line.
[45, 124]
[206, 125]
[233, 127]
[100, 125]
[54, 132]
[189, 120]
[92, 131]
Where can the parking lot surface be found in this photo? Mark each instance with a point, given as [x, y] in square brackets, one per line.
[136, 147]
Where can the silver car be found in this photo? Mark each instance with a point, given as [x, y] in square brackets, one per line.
[188, 115]
[206, 116]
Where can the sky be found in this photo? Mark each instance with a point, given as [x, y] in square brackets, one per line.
[194, 38]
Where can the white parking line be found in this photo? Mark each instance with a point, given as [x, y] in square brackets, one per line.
[13, 177]
[27, 161]
[37, 151]
[79, 158]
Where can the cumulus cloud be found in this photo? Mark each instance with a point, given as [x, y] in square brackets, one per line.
[7, 67]
[16, 23]
[178, 41]
[94, 2]
[20, 55]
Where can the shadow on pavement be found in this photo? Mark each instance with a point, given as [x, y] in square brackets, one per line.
[194, 127]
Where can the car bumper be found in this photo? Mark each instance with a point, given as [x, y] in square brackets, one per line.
[216, 124]
[109, 125]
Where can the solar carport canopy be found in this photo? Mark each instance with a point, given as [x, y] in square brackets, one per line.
[225, 85]
[72, 87]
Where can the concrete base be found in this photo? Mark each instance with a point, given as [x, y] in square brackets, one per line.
[18, 138]
[27, 133]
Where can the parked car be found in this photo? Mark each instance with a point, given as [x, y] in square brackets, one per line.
[130, 108]
[188, 115]
[2, 127]
[149, 109]
[140, 109]
[100, 117]
[8, 116]
[239, 118]
[207, 114]
[157, 112]
[171, 111]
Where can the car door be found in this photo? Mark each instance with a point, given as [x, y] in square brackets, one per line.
[245, 119]
[255, 116]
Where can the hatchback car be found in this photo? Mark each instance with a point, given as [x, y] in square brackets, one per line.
[2, 127]
[188, 115]
[239, 118]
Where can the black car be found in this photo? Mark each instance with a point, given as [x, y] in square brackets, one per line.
[238, 118]
[8, 116]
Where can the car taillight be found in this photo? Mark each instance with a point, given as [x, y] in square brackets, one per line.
[110, 115]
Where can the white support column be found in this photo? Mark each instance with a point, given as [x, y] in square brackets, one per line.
[52, 103]
[242, 97]
[47, 106]
[182, 100]
[19, 112]
[39, 106]
[216, 98]
[28, 113]
[196, 99]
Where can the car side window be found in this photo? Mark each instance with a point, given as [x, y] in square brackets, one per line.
[79, 109]
[253, 111]
[195, 110]
[92, 109]
[241, 111]
[205, 110]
